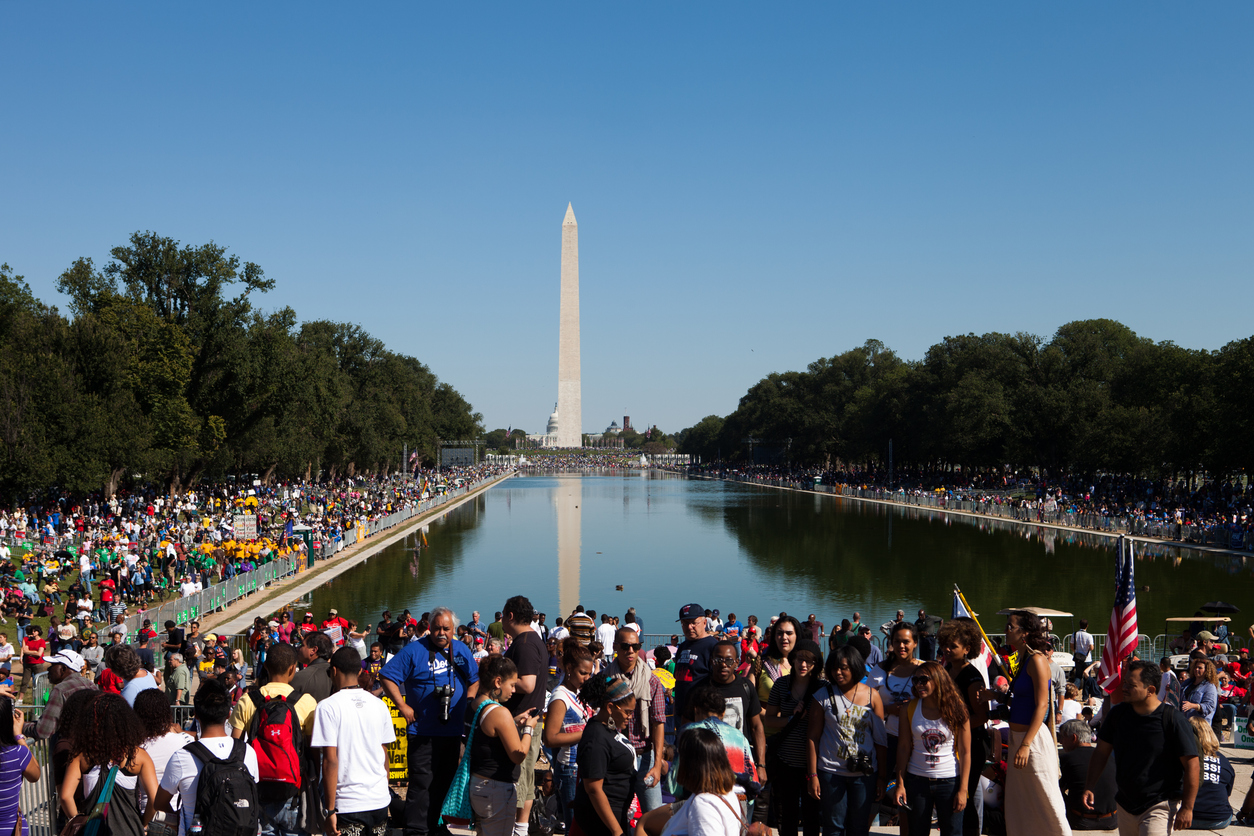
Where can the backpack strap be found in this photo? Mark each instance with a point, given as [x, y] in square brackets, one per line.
[238, 747]
[199, 751]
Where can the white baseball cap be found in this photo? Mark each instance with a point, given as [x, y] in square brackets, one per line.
[68, 658]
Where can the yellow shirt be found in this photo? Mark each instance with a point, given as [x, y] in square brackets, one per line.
[242, 716]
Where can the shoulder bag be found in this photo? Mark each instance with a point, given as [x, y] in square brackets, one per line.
[746, 829]
[89, 824]
[457, 809]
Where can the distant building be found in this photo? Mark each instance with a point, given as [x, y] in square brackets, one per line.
[626, 423]
[549, 438]
[612, 429]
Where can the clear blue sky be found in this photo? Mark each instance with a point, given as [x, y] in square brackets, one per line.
[756, 186]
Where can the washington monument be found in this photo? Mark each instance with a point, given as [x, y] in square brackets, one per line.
[569, 397]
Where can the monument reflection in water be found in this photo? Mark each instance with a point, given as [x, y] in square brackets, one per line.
[668, 541]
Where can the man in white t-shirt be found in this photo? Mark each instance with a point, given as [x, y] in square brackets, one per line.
[187, 587]
[353, 728]
[559, 632]
[6, 650]
[212, 707]
[1081, 649]
[605, 636]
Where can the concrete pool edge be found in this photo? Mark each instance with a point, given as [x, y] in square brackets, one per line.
[238, 617]
[973, 515]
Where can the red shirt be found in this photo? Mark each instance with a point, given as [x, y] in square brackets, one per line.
[110, 681]
[40, 647]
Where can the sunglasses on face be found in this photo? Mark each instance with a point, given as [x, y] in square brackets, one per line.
[629, 646]
[920, 680]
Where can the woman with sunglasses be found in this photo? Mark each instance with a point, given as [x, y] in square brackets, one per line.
[786, 715]
[1033, 801]
[606, 759]
[933, 757]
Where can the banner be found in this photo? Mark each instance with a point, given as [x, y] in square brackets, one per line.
[245, 527]
[398, 760]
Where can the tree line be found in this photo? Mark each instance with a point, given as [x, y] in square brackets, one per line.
[165, 371]
[1094, 398]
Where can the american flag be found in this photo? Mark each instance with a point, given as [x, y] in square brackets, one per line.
[1121, 636]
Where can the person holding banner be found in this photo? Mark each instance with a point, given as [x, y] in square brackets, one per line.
[1033, 797]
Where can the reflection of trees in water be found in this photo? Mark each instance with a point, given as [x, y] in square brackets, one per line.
[400, 576]
[869, 554]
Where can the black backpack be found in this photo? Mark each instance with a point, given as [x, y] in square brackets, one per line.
[226, 797]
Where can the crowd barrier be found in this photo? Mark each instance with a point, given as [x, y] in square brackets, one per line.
[39, 800]
[1002, 506]
[221, 595]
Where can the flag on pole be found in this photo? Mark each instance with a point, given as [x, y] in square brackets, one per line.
[986, 658]
[1121, 636]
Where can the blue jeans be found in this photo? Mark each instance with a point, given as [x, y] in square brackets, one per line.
[279, 818]
[1202, 824]
[650, 797]
[927, 794]
[564, 786]
[846, 804]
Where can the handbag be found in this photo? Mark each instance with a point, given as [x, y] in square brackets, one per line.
[457, 809]
[756, 828]
[89, 824]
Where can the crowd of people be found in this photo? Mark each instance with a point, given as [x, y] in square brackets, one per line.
[85, 560]
[541, 459]
[579, 728]
[1220, 506]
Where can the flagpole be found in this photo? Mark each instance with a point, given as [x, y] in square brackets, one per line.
[987, 641]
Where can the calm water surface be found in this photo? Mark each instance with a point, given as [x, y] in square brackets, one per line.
[668, 541]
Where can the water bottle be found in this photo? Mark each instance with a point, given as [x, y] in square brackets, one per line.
[197, 828]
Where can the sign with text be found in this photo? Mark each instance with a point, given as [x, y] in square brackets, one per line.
[1241, 737]
[398, 762]
[245, 527]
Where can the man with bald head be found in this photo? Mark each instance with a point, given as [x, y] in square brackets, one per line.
[646, 730]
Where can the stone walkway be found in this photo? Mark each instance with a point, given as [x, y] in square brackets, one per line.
[1242, 764]
[238, 617]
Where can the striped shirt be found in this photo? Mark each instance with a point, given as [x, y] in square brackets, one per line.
[13, 759]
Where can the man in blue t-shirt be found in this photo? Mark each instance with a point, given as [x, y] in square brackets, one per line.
[434, 705]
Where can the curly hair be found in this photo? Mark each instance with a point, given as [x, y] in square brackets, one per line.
[72, 710]
[1210, 674]
[1034, 635]
[495, 667]
[108, 731]
[602, 689]
[953, 710]
[153, 709]
[574, 653]
[123, 661]
[963, 631]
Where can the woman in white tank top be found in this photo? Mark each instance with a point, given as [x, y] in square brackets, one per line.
[933, 757]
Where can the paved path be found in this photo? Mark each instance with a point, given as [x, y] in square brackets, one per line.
[1242, 764]
[238, 617]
